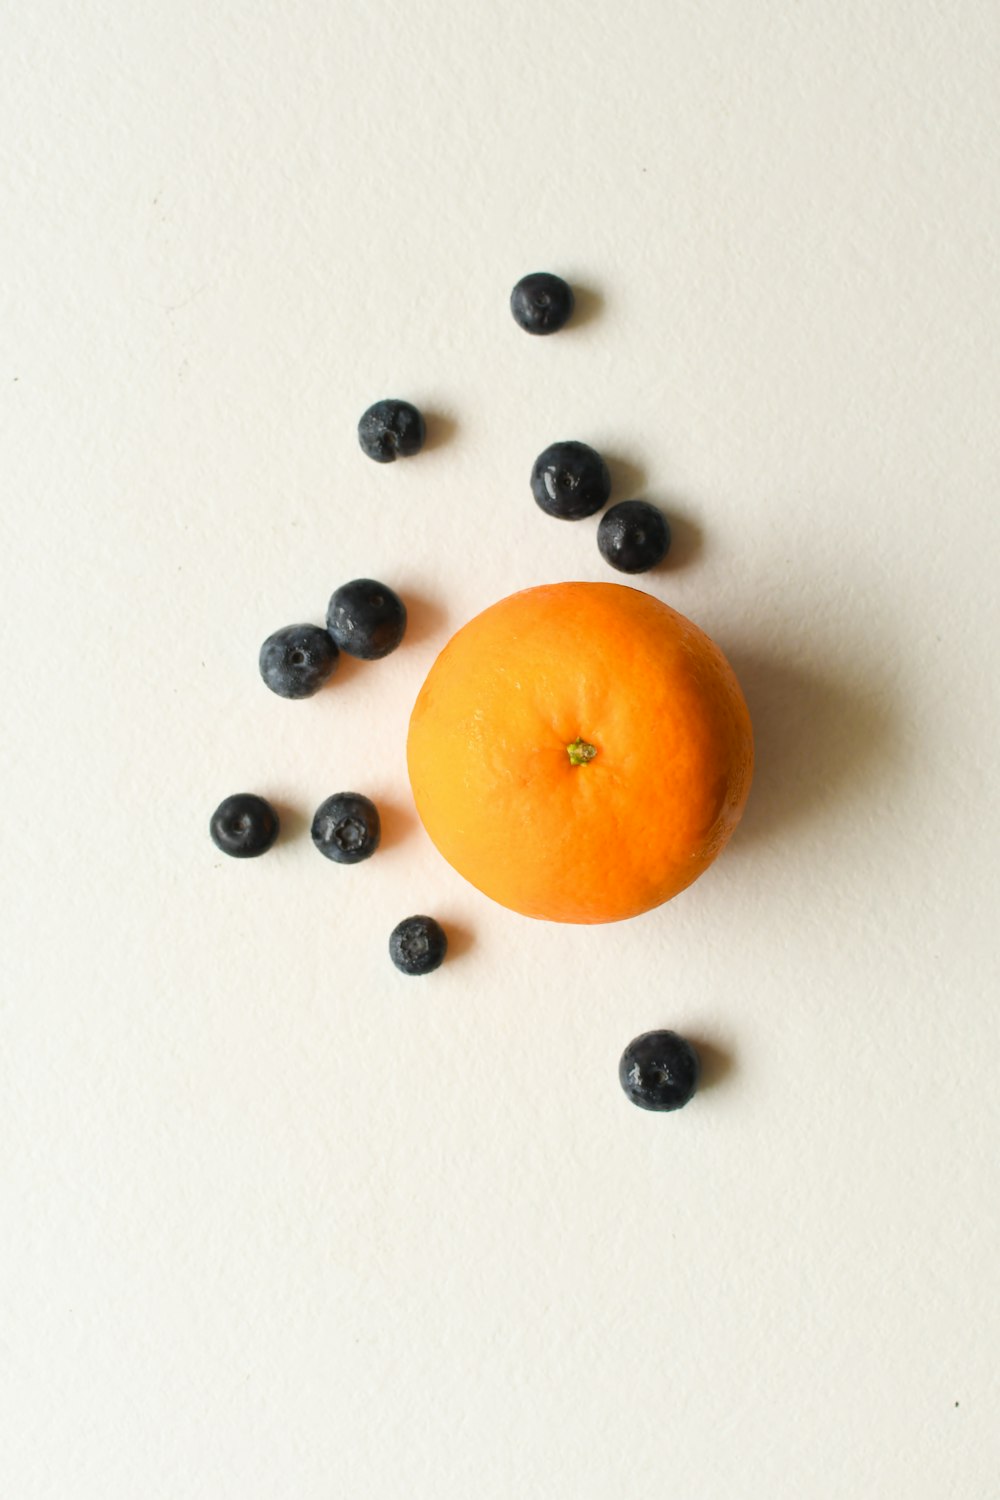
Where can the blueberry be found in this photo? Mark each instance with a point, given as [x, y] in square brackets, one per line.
[296, 661]
[366, 618]
[391, 429]
[244, 826]
[418, 945]
[659, 1070]
[570, 480]
[346, 828]
[633, 536]
[541, 302]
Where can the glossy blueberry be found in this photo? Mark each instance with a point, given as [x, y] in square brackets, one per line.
[659, 1070]
[633, 536]
[570, 480]
[418, 945]
[366, 618]
[390, 430]
[244, 826]
[346, 828]
[541, 302]
[296, 661]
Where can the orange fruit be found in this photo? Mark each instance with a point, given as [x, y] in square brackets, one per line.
[580, 752]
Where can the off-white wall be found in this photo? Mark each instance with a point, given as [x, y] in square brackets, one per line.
[278, 1222]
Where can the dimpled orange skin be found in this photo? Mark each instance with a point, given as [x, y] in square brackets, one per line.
[496, 788]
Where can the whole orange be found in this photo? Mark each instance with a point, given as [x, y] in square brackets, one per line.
[580, 752]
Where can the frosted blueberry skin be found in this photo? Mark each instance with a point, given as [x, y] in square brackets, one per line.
[541, 303]
[366, 618]
[418, 945]
[244, 826]
[391, 429]
[570, 480]
[296, 661]
[346, 828]
[659, 1070]
[633, 536]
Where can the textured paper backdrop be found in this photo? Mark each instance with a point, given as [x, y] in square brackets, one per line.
[278, 1222]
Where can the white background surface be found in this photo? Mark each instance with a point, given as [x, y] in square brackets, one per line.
[277, 1221]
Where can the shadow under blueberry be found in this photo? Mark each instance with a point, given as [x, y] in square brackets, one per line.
[348, 667]
[820, 737]
[588, 305]
[716, 1065]
[425, 617]
[686, 540]
[460, 938]
[440, 429]
[397, 822]
[628, 479]
[293, 822]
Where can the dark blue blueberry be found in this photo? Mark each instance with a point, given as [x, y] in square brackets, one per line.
[570, 480]
[659, 1070]
[346, 828]
[541, 302]
[296, 661]
[244, 826]
[366, 618]
[390, 430]
[418, 945]
[633, 536]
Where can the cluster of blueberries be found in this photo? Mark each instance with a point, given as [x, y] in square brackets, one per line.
[569, 480]
[365, 619]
